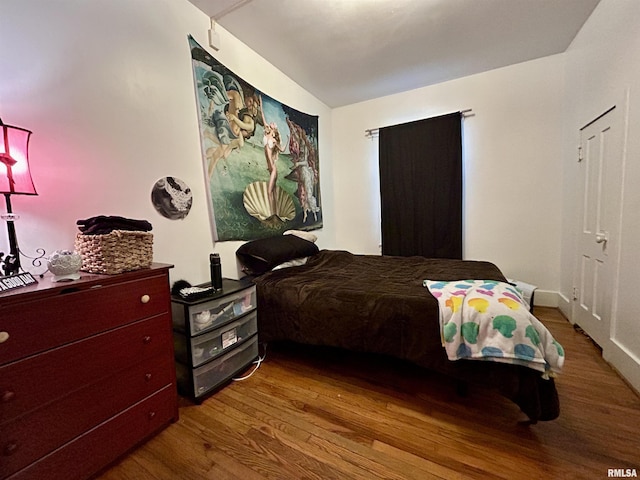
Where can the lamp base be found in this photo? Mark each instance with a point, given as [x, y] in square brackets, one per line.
[66, 278]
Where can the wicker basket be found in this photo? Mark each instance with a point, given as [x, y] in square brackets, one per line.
[115, 252]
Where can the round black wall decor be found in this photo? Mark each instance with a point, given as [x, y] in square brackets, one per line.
[172, 198]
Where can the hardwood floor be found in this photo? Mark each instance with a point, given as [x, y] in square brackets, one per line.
[322, 414]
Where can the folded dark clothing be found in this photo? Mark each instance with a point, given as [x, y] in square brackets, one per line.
[104, 224]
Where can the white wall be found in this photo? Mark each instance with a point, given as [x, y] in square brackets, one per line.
[603, 70]
[107, 88]
[512, 166]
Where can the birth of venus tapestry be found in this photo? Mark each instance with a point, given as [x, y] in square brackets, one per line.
[260, 156]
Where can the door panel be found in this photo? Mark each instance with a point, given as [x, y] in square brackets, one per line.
[600, 179]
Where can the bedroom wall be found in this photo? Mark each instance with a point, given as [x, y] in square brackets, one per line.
[107, 89]
[603, 70]
[512, 166]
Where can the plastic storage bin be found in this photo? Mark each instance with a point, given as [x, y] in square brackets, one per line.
[195, 318]
[200, 381]
[202, 348]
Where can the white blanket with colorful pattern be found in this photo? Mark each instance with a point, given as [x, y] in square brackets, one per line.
[489, 320]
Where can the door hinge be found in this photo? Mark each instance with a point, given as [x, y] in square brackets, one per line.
[580, 157]
[575, 293]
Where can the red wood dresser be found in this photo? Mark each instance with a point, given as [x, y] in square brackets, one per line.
[86, 372]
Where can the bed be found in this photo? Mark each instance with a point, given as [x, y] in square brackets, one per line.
[379, 304]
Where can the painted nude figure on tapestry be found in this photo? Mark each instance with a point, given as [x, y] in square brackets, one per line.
[272, 150]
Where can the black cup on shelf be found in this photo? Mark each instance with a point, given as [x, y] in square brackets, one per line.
[216, 271]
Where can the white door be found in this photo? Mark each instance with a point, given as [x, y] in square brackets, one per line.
[600, 170]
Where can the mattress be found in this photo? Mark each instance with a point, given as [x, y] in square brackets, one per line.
[378, 304]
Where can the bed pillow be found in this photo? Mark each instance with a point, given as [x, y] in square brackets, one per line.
[260, 256]
[292, 263]
[302, 234]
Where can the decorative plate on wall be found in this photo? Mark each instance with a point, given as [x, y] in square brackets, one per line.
[172, 198]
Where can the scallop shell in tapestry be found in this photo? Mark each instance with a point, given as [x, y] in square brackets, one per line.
[256, 202]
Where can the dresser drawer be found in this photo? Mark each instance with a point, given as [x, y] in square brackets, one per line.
[89, 453]
[38, 325]
[30, 383]
[199, 381]
[210, 345]
[23, 440]
[205, 316]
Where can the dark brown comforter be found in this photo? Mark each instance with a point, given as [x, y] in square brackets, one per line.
[377, 304]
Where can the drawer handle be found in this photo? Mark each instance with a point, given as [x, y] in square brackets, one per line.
[147, 377]
[7, 396]
[146, 339]
[152, 414]
[145, 298]
[4, 336]
[10, 449]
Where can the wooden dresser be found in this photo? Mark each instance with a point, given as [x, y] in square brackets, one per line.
[86, 372]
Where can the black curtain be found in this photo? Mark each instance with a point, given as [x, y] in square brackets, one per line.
[421, 187]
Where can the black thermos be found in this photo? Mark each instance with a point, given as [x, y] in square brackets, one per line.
[216, 271]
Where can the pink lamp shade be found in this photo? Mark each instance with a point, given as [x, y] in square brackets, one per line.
[15, 177]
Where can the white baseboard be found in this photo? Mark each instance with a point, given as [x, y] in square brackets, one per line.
[624, 362]
[546, 298]
[565, 306]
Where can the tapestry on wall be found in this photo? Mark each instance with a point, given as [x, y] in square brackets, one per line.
[260, 156]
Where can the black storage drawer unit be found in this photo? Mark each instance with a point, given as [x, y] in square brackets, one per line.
[215, 337]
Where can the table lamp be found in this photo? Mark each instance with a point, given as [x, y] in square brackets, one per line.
[15, 179]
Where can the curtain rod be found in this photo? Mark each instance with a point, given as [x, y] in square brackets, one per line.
[373, 132]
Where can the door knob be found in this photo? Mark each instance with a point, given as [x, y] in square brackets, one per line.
[601, 237]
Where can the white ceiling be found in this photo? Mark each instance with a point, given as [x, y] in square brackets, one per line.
[347, 51]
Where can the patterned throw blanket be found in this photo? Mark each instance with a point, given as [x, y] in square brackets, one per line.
[489, 320]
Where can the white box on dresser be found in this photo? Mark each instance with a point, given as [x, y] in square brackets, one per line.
[86, 372]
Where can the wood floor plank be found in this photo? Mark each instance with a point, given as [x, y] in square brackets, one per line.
[328, 445]
[281, 434]
[130, 469]
[328, 438]
[312, 413]
[374, 413]
[180, 453]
